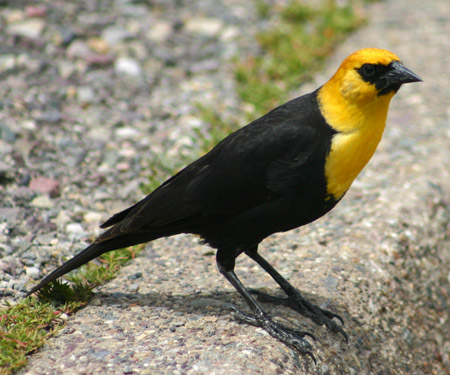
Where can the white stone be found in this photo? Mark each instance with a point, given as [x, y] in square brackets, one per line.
[32, 272]
[74, 228]
[205, 26]
[92, 217]
[42, 201]
[7, 62]
[127, 132]
[114, 35]
[159, 31]
[128, 66]
[29, 28]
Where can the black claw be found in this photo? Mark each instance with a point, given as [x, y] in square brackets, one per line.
[310, 335]
[312, 357]
[301, 305]
[343, 333]
[290, 337]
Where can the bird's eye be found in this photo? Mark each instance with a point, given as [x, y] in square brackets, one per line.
[368, 69]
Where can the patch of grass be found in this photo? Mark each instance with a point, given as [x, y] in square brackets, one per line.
[25, 326]
[293, 50]
[88, 277]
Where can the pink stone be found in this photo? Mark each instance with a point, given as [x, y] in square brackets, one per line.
[45, 185]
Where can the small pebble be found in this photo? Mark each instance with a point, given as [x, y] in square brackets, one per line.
[98, 45]
[32, 272]
[114, 35]
[45, 185]
[30, 28]
[74, 228]
[42, 201]
[7, 62]
[127, 66]
[92, 217]
[86, 94]
[205, 26]
[127, 133]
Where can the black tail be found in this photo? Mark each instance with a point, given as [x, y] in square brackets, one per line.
[91, 252]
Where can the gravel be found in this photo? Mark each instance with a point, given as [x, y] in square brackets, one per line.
[94, 91]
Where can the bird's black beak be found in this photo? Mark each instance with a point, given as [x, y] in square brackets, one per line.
[400, 74]
[395, 76]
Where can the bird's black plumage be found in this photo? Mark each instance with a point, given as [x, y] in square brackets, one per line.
[264, 178]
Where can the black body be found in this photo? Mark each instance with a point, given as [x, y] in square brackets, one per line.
[266, 177]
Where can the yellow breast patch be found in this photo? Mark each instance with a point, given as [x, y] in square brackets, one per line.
[349, 153]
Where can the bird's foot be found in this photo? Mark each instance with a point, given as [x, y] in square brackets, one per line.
[296, 302]
[290, 337]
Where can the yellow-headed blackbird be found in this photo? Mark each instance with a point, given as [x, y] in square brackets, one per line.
[282, 171]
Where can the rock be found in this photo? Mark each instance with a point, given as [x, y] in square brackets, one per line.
[99, 60]
[62, 219]
[86, 95]
[127, 133]
[65, 36]
[133, 288]
[135, 276]
[78, 49]
[9, 264]
[45, 185]
[92, 217]
[32, 272]
[74, 228]
[28, 125]
[23, 192]
[29, 28]
[159, 31]
[42, 201]
[6, 134]
[50, 117]
[5, 148]
[7, 62]
[14, 15]
[36, 11]
[98, 45]
[9, 214]
[127, 66]
[65, 68]
[63, 317]
[114, 35]
[205, 26]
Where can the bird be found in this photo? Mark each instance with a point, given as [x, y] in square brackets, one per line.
[281, 171]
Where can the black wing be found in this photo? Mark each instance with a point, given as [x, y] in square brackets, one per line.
[255, 164]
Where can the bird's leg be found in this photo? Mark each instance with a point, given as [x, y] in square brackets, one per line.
[292, 338]
[295, 300]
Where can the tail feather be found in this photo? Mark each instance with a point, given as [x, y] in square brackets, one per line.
[92, 251]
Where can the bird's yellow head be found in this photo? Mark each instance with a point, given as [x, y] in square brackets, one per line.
[370, 73]
[362, 87]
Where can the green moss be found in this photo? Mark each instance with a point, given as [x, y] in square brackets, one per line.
[24, 328]
[292, 50]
